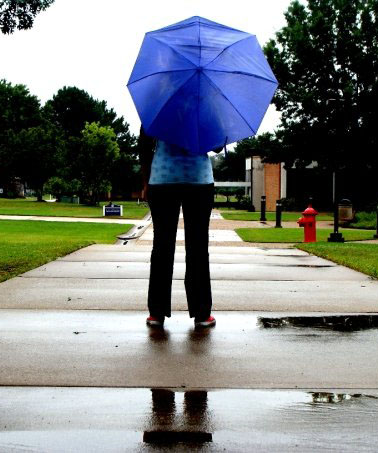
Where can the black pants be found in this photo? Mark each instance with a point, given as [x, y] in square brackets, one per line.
[165, 201]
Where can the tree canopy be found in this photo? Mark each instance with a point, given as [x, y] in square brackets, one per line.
[326, 61]
[19, 111]
[74, 144]
[71, 108]
[20, 14]
[38, 153]
[97, 151]
[231, 167]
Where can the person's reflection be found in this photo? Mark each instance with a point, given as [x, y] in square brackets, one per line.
[163, 407]
[195, 409]
[158, 339]
[199, 341]
[195, 419]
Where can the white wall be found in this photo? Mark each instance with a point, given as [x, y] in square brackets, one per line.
[258, 181]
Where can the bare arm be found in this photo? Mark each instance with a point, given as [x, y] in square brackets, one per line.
[146, 146]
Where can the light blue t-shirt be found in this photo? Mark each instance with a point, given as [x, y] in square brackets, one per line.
[174, 165]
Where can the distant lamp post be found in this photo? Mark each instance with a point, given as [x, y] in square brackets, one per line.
[336, 236]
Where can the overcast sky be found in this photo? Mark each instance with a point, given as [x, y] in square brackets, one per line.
[93, 44]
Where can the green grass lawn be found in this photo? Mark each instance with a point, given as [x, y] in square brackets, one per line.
[361, 257]
[286, 216]
[26, 244]
[131, 210]
[296, 234]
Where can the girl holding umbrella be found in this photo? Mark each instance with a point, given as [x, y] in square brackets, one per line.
[197, 85]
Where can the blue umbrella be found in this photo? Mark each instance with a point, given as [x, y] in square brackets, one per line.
[201, 85]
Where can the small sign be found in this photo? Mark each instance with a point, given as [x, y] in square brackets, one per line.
[116, 210]
[1, 190]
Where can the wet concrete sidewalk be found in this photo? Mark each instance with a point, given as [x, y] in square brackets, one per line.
[246, 350]
[292, 361]
[115, 277]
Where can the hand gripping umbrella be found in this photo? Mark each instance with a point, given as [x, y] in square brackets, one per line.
[201, 85]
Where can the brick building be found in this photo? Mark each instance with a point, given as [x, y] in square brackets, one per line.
[267, 179]
[297, 185]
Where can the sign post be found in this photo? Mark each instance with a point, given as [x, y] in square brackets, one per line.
[112, 209]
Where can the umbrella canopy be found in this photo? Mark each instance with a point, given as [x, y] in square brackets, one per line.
[200, 85]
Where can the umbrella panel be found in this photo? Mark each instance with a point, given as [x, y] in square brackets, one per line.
[150, 94]
[249, 94]
[199, 42]
[199, 117]
[156, 57]
[244, 56]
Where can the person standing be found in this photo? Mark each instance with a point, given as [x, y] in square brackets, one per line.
[174, 179]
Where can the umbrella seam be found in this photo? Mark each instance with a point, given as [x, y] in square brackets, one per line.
[199, 84]
[174, 94]
[200, 44]
[232, 105]
[159, 72]
[223, 50]
[244, 73]
[174, 50]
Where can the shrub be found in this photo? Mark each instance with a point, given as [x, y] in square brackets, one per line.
[365, 220]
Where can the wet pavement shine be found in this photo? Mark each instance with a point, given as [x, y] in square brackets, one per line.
[116, 349]
[55, 419]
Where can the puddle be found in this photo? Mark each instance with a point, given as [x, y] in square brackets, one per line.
[198, 419]
[138, 419]
[341, 323]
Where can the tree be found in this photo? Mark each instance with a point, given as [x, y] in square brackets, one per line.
[96, 155]
[265, 145]
[19, 110]
[71, 108]
[58, 187]
[326, 62]
[38, 155]
[20, 14]
[231, 167]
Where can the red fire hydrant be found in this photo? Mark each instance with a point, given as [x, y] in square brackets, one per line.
[308, 221]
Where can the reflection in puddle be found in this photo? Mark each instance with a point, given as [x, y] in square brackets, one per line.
[158, 335]
[325, 397]
[348, 323]
[173, 437]
[111, 420]
[194, 420]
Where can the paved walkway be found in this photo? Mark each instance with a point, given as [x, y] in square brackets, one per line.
[296, 336]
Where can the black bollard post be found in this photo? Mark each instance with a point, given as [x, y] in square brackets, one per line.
[278, 214]
[336, 236]
[376, 235]
[263, 209]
